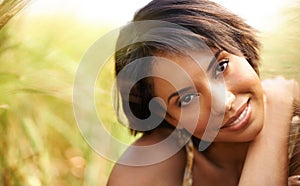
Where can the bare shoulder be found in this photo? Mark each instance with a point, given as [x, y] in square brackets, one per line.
[169, 171]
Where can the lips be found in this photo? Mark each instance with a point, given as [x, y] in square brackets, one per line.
[240, 119]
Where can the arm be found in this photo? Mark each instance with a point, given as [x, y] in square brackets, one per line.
[267, 159]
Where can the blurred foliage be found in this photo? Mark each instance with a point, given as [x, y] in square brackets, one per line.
[40, 141]
[9, 8]
[280, 54]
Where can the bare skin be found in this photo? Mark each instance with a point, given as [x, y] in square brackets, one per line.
[168, 172]
[273, 140]
[244, 156]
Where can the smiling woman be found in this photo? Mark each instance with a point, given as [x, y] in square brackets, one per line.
[196, 91]
[244, 97]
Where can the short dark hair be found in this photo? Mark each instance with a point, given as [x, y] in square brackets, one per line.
[215, 25]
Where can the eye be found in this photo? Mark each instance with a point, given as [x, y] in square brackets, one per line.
[221, 67]
[187, 99]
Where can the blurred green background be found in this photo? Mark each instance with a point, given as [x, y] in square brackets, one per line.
[40, 143]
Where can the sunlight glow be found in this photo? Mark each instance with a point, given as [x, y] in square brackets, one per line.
[262, 14]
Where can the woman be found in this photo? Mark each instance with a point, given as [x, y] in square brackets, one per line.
[187, 73]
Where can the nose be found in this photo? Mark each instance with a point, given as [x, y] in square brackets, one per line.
[230, 97]
[219, 99]
[223, 102]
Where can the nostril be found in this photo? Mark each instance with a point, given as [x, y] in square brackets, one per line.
[230, 97]
[228, 107]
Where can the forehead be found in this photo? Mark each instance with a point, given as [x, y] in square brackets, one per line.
[172, 66]
[174, 72]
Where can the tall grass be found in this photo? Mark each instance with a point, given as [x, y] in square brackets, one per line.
[40, 141]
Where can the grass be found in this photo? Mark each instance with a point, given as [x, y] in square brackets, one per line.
[40, 141]
[280, 54]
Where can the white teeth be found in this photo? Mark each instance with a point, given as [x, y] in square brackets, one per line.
[240, 118]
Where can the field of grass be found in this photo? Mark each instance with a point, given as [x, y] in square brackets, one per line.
[40, 141]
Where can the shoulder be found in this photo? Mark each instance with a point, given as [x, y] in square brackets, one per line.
[170, 171]
[157, 174]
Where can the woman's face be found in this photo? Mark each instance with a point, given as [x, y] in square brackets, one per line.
[221, 100]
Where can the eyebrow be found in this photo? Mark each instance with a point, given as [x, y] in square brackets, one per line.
[214, 59]
[177, 93]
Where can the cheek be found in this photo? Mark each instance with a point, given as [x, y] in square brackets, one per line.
[243, 77]
[196, 121]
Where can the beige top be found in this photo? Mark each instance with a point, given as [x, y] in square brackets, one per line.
[294, 135]
[188, 178]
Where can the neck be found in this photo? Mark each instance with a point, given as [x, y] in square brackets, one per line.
[231, 158]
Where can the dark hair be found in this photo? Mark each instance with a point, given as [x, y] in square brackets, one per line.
[213, 24]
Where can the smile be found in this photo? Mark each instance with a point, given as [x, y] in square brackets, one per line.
[240, 120]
